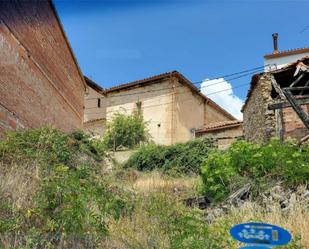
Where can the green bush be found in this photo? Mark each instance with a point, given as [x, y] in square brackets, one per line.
[125, 131]
[254, 162]
[179, 158]
[217, 175]
[77, 202]
[184, 227]
[48, 145]
[69, 199]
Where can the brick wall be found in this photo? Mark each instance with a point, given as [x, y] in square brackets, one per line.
[39, 81]
[293, 127]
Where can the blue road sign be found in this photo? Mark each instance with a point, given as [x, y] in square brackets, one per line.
[261, 234]
[255, 247]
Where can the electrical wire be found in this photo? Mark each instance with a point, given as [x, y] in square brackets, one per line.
[148, 106]
[202, 87]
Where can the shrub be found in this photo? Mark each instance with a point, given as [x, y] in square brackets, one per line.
[217, 175]
[47, 145]
[51, 191]
[179, 158]
[77, 202]
[125, 131]
[254, 162]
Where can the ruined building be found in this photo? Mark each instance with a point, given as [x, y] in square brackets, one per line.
[277, 103]
[40, 81]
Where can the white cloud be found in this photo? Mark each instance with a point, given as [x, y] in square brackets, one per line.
[226, 99]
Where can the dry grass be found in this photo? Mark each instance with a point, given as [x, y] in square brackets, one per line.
[19, 183]
[296, 220]
[140, 231]
[156, 182]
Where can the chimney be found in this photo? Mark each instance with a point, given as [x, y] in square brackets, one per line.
[275, 40]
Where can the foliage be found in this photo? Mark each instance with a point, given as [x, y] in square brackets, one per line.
[217, 174]
[76, 201]
[70, 201]
[47, 145]
[158, 221]
[126, 131]
[244, 160]
[179, 158]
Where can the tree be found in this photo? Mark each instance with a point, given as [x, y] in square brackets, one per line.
[126, 131]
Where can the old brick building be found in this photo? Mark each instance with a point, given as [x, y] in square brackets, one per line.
[95, 109]
[40, 81]
[267, 114]
[277, 101]
[173, 107]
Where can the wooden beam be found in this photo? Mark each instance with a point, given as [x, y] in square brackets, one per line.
[300, 112]
[279, 123]
[307, 83]
[277, 87]
[285, 104]
[297, 80]
[304, 139]
[298, 88]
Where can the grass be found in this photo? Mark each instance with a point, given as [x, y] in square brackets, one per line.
[157, 182]
[295, 221]
[55, 192]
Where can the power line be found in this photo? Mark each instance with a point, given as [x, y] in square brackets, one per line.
[304, 29]
[228, 89]
[168, 88]
[223, 90]
[241, 72]
[148, 106]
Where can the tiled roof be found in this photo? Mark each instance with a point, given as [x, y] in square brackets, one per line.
[287, 52]
[93, 85]
[158, 78]
[255, 78]
[220, 126]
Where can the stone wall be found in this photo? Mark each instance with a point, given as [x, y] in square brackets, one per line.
[224, 137]
[189, 113]
[95, 105]
[259, 122]
[212, 115]
[156, 104]
[39, 81]
[95, 128]
[171, 109]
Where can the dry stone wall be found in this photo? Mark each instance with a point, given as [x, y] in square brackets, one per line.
[259, 122]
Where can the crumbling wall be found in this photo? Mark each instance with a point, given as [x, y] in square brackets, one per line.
[293, 127]
[259, 122]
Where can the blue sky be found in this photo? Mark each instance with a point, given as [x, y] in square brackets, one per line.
[118, 41]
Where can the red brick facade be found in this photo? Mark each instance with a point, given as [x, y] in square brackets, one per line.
[40, 82]
[292, 125]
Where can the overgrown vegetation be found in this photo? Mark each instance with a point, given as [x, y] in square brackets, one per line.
[160, 221]
[51, 194]
[126, 131]
[182, 158]
[55, 192]
[245, 162]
